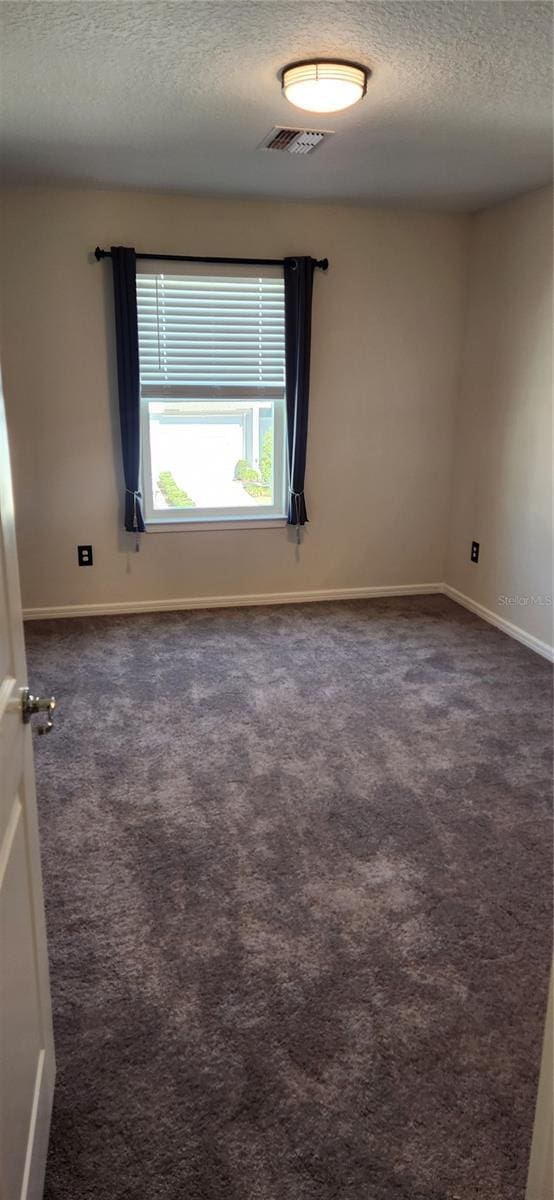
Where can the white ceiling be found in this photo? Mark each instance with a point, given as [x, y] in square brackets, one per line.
[178, 95]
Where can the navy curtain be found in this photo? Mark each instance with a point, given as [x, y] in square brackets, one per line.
[124, 266]
[299, 275]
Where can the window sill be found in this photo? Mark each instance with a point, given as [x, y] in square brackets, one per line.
[207, 525]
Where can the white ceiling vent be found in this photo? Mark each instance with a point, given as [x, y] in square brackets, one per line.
[294, 141]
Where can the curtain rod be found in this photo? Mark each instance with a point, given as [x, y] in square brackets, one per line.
[322, 263]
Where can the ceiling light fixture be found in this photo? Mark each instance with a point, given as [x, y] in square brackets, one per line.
[324, 85]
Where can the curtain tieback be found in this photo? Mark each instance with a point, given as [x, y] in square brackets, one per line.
[136, 496]
[297, 496]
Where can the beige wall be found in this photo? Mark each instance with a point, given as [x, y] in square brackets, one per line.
[386, 343]
[502, 477]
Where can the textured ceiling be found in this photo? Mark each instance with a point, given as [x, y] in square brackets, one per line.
[178, 95]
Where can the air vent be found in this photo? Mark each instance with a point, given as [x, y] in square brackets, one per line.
[294, 141]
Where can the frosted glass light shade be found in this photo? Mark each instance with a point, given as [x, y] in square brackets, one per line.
[324, 86]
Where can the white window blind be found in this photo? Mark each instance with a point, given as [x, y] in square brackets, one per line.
[211, 335]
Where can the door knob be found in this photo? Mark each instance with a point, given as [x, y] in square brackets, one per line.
[35, 704]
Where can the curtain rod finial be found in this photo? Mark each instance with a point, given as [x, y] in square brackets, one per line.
[98, 254]
[323, 263]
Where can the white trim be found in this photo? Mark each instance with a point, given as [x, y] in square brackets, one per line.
[513, 631]
[29, 1157]
[539, 1179]
[206, 525]
[138, 606]
[263, 598]
[201, 391]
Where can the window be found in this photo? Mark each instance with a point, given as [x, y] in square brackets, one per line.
[212, 372]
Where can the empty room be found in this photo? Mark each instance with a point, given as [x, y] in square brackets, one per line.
[276, 633]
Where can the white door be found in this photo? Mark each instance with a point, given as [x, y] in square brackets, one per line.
[27, 1064]
[540, 1182]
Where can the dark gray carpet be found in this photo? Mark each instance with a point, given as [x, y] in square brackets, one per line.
[297, 866]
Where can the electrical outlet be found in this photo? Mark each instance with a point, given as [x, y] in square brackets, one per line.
[474, 552]
[84, 556]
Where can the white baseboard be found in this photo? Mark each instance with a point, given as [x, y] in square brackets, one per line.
[513, 631]
[145, 606]
[125, 607]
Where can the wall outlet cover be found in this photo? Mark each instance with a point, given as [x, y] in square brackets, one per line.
[84, 556]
